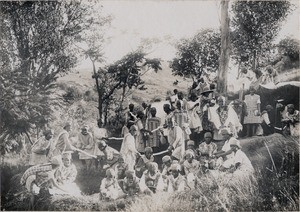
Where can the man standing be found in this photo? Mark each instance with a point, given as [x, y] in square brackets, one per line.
[128, 149]
[176, 140]
[153, 123]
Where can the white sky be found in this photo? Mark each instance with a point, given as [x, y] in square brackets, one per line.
[166, 21]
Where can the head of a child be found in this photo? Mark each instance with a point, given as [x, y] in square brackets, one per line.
[189, 156]
[167, 161]
[110, 173]
[175, 168]
[129, 176]
[148, 152]
[190, 144]
[67, 159]
[152, 167]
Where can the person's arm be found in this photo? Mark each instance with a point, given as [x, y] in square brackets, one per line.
[258, 105]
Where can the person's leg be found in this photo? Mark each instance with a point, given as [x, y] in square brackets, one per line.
[248, 130]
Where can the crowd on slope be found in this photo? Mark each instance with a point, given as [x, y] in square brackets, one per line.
[206, 114]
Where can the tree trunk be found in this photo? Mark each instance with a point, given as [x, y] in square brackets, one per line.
[99, 91]
[225, 51]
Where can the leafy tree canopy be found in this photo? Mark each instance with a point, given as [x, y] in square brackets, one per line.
[38, 44]
[255, 24]
[198, 54]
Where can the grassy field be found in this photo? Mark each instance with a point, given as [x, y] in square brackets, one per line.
[275, 188]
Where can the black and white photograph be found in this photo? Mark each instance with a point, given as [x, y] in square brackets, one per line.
[149, 105]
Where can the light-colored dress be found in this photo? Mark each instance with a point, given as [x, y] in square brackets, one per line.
[195, 121]
[86, 143]
[177, 184]
[192, 167]
[110, 188]
[128, 151]
[139, 141]
[61, 144]
[252, 110]
[176, 140]
[224, 117]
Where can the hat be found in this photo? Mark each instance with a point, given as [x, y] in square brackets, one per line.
[206, 90]
[290, 106]
[225, 130]
[208, 133]
[129, 173]
[235, 142]
[166, 158]
[85, 127]
[56, 160]
[175, 167]
[189, 153]
[152, 165]
[48, 132]
[190, 142]
[67, 155]
[148, 149]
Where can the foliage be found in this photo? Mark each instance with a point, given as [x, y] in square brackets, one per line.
[123, 75]
[37, 45]
[198, 54]
[255, 24]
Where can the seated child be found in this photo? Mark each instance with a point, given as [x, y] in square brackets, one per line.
[109, 188]
[150, 179]
[131, 184]
[143, 160]
[190, 165]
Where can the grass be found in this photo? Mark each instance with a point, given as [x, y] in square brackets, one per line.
[271, 189]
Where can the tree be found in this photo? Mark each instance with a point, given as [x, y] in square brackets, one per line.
[225, 51]
[37, 46]
[123, 75]
[198, 54]
[255, 24]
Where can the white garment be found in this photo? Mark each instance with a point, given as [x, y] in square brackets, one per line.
[245, 163]
[128, 151]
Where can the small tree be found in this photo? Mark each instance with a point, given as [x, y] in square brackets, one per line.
[194, 56]
[255, 24]
[122, 75]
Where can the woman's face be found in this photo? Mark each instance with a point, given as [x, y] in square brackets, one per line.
[220, 102]
[49, 136]
[66, 162]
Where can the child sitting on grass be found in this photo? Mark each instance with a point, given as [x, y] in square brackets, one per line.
[109, 188]
[190, 165]
[150, 179]
[131, 184]
[143, 160]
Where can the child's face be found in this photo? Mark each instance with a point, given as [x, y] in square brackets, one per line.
[130, 179]
[189, 158]
[175, 173]
[168, 163]
[108, 175]
[148, 155]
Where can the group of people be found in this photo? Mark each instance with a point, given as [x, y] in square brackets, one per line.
[135, 169]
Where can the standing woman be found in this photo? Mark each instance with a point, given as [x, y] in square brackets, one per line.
[40, 149]
[193, 109]
[252, 118]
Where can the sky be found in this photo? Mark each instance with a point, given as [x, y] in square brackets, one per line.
[165, 22]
